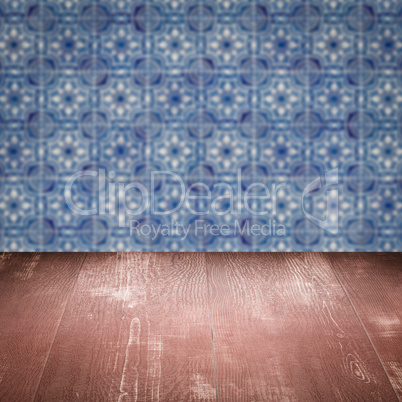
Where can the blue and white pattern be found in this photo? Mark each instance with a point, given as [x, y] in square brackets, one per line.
[269, 92]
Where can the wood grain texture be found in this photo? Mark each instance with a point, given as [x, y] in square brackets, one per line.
[284, 330]
[34, 289]
[137, 328]
[373, 283]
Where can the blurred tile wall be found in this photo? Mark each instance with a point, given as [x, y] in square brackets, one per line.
[288, 112]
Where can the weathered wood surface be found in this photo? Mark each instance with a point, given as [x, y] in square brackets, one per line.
[34, 289]
[284, 330]
[137, 328]
[373, 283]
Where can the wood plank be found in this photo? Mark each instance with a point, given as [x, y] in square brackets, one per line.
[137, 328]
[373, 282]
[284, 330]
[34, 289]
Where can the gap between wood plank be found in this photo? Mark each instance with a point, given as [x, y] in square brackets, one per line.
[58, 325]
[361, 322]
[212, 330]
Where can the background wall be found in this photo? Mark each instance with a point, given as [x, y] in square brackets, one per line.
[277, 92]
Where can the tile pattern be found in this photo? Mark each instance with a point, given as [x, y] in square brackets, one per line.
[282, 91]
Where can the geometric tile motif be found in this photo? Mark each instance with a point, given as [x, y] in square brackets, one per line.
[276, 92]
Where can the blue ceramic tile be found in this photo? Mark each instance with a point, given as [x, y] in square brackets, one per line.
[289, 114]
